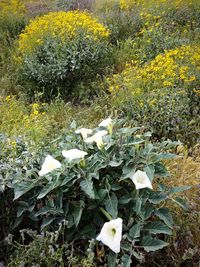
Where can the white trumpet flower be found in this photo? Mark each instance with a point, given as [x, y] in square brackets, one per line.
[74, 154]
[97, 138]
[106, 123]
[141, 180]
[84, 132]
[111, 234]
[49, 165]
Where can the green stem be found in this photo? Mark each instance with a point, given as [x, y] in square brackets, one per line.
[108, 216]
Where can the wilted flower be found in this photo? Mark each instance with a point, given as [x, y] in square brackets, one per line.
[97, 138]
[49, 165]
[111, 234]
[141, 180]
[74, 154]
[84, 132]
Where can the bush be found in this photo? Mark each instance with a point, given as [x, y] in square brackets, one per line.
[85, 192]
[59, 49]
[12, 18]
[162, 94]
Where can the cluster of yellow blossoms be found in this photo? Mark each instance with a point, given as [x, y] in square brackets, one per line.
[18, 119]
[174, 67]
[63, 25]
[15, 7]
[146, 4]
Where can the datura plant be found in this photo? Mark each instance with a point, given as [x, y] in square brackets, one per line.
[106, 184]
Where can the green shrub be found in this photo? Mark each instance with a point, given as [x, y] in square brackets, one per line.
[60, 49]
[86, 192]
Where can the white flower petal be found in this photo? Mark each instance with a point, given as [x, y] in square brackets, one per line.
[141, 180]
[84, 132]
[111, 234]
[49, 165]
[97, 138]
[106, 122]
[74, 154]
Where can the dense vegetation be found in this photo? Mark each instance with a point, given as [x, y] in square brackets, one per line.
[125, 190]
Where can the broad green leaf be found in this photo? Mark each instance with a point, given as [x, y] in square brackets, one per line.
[150, 170]
[23, 187]
[157, 197]
[135, 230]
[152, 244]
[77, 213]
[127, 172]
[126, 260]
[87, 187]
[137, 206]
[112, 257]
[49, 210]
[126, 247]
[49, 187]
[111, 205]
[157, 228]
[165, 216]
[146, 211]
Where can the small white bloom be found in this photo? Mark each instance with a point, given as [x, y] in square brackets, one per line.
[74, 154]
[141, 180]
[106, 123]
[111, 234]
[97, 138]
[49, 165]
[84, 132]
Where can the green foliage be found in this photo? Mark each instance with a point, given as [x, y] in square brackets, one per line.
[59, 67]
[80, 190]
[168, 113]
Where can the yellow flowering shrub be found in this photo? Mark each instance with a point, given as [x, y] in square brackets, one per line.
[59, 50]
[12, 7]
[18, 119]
[63, 25]
[176, 67]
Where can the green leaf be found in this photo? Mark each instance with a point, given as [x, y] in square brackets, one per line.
[115, 163]
[128, 130]
[112, 257]
[138, 256]
[157, 228]
[181, 202]
[23, 187]
[47, 221]
[135, 230]
[150, 170]
[87, 187]
[152, 244]
[165, 216]
[137, 206]
[146, 211]
[126, 260]
[156, 197]
[77, 213]
[49, 187]
[179, 189]
[127, 172]
[111, 205]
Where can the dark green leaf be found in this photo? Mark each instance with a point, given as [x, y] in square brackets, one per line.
[165, 216]
[111, 205]
[157, 228]
[87, 187]
[126, 260]
[135, 230]
[152, 244]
